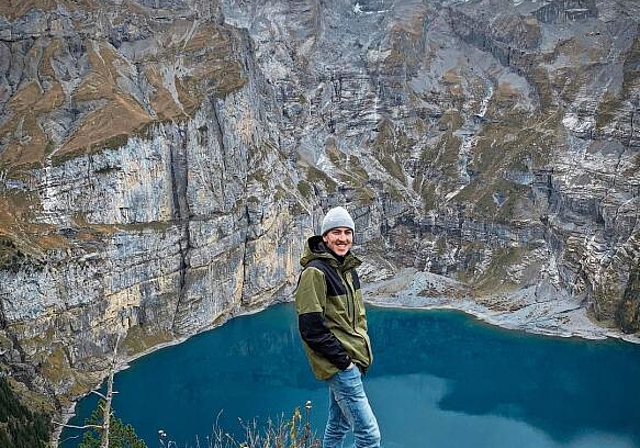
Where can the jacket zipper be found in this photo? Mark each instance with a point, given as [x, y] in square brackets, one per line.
[351, 301]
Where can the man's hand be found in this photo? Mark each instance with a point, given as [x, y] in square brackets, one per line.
[350, 366]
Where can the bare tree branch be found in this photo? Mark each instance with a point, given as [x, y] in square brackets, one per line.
[98, 394]
[106, 422]
[77, 427]
[68, 438]
[106, 408]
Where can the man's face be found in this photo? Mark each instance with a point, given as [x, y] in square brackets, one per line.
[339, 240]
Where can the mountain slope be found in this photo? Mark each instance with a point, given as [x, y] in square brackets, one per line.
[161, 162]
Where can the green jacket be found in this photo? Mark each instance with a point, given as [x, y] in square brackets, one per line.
[331, 314]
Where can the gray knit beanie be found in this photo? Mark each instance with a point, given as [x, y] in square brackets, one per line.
[337, 217]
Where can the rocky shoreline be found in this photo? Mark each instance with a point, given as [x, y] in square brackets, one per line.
[539, 309]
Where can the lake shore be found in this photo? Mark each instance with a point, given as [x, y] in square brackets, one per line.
[540, 309]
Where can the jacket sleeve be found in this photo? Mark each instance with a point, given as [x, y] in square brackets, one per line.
[311, 296]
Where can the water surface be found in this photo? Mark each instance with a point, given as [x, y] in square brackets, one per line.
[440, 379]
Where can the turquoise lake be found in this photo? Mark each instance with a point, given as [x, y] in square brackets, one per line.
[440, 379]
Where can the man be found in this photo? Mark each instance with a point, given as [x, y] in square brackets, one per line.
[333, 327]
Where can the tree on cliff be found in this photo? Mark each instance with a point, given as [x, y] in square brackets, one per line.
[120, 435]
[104, 429]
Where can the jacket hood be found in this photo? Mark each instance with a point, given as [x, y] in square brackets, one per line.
[316, 249]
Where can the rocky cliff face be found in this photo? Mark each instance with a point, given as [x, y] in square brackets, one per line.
[144, 191]
[161, 162]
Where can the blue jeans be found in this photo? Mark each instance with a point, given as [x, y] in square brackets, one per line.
[349, 409]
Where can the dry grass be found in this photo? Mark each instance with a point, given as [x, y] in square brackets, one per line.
[453, 83]
[119, 118]
[13, 9]
[161, 100]
[138, 341]
[15, 224]
[28, 144]
[206, 52]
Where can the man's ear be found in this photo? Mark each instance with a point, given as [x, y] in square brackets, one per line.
[324, 237]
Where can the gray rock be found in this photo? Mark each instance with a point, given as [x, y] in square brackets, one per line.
[161, 166]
